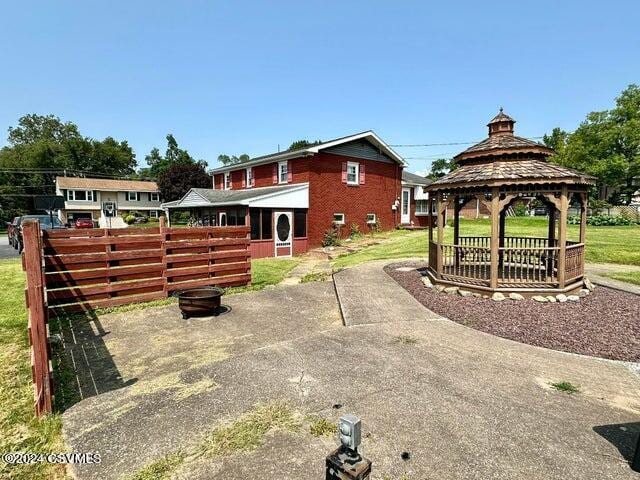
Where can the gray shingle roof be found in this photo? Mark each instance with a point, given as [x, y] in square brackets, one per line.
[233, 196]
[416, 179]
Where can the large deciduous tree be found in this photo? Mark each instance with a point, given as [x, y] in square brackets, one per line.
[607, 146]
[232, 159]
[179, 177]
[440, 167]
[173, 155]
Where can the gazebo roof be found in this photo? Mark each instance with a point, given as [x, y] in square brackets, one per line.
[510, 171]
[504, 159]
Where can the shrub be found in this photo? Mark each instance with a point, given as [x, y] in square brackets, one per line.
[520, 210]
[354, 230]
[331, 237]
[180, 217]
[130, 219]
[607, 221]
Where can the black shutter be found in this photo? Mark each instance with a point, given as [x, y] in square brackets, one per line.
[137, 196]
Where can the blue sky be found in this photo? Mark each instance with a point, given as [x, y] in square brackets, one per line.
[242, 77]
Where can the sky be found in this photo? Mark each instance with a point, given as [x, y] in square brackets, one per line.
[246, 77]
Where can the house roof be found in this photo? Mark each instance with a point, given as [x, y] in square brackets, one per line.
[235, 197]
[413, 179]
[314, 149]
[509, 171]
[106, 184]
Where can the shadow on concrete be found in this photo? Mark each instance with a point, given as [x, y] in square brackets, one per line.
[625, 437]
[82, 364]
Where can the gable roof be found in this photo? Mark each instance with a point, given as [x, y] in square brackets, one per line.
[413, 179]
[106, 184]
[234, 197]
[369, 135]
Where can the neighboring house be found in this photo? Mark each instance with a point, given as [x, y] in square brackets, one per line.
[414, 201]
[290, 199]
[92, 197]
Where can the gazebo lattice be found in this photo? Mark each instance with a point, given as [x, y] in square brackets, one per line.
[498, 172]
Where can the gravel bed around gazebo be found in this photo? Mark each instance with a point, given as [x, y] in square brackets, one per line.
[604, 324]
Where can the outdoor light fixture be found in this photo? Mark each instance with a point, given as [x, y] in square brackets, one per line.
[350, 429]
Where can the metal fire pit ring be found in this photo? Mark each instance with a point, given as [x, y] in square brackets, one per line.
[200, 301]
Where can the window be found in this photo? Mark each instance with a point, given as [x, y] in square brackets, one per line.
[338, 218]
[371, 218]
[299, 223]
[422, 207]
[153, 213]
[353, 172]
[282, 172]
[254, 221]
[227, 181]
[249, 176]
[267, 224]
[132, 196]
[80, 195]
[236, 216]
[154, 197]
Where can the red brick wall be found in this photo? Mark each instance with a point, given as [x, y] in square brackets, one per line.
[263, 174]
[328, 195]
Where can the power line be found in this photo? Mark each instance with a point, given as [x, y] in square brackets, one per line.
[445, 144]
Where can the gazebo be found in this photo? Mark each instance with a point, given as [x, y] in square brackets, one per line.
[500, 171]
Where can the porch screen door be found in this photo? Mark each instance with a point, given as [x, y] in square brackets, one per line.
[282, 234]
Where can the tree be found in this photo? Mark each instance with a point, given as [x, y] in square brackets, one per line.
[179, 177]
[173, 155]
[556, 140]
[607, 146]
[299, 144]
[232, 160]
[440, 167]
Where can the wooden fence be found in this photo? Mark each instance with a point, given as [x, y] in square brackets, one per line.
[83, 269]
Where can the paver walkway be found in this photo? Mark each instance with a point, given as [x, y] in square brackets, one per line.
[464, 404]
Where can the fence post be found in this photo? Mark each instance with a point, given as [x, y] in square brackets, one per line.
[37, 311]
[163, 246]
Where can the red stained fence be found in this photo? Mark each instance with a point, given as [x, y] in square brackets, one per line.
[78, 270]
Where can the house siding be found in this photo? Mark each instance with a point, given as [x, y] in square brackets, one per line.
[328, 195]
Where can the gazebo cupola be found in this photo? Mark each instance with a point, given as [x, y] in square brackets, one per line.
[498, 172]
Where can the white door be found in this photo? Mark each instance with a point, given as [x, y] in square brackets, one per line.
[404, 206]
[283, 234]
[222, 220]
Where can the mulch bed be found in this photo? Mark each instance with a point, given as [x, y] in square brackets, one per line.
[604, 324]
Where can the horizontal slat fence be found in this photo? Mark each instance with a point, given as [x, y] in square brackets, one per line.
[79, 270]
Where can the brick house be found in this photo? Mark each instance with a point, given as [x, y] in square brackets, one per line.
[292, 198]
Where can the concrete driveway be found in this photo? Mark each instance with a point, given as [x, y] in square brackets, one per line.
[6, 250]
[462, 403]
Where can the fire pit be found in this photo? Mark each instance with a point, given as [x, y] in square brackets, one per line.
[199, 301]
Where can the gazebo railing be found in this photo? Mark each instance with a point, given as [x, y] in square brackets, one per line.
[523, 262]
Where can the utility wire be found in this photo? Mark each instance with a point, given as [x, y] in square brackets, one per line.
[445, 144]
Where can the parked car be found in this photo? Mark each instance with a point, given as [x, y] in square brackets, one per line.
[83, 223]
[540, 211]
[12, 229]
[141, 220]
[46, 223]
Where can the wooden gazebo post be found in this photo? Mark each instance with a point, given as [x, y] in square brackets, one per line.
[495, 234]
[562, 235]
[440, 236]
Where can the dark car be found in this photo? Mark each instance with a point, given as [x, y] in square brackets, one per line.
[141, 220]
[12, 231]
[83, 223]
[46, 223]
[540, 211]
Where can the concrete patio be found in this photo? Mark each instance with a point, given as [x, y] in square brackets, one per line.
[464, 404]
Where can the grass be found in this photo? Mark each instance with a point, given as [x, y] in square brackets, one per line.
[265, 272]
[629, 277]
[405, 340]
[243, 435]
[566, 387]
[321, 427]
[20, 430]
[604, 244]
[315, 277]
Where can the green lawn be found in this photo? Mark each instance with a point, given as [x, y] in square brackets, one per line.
[20, 431]
[629, 277]
[604, 244]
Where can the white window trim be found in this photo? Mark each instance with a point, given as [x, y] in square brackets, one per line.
[375, 218]
[227, 181]
[88, 196]
[342, 222]
[286, 172]
[153, 213]
[357, 173]
[248, 177]
[156, 195]
[135, 196]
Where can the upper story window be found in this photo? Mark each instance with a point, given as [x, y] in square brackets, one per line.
[227, 181]
[80, 195]
[353, 172]
[249, 177]
[283, 172]
[154, 197]
[133, 196]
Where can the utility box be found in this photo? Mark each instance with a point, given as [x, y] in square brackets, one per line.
[346, 463]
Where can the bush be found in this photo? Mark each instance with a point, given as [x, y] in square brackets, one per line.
[520, 210]
[331, 237]
[180, 217]
[605, 220]
[129, 219]
[354, 231]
